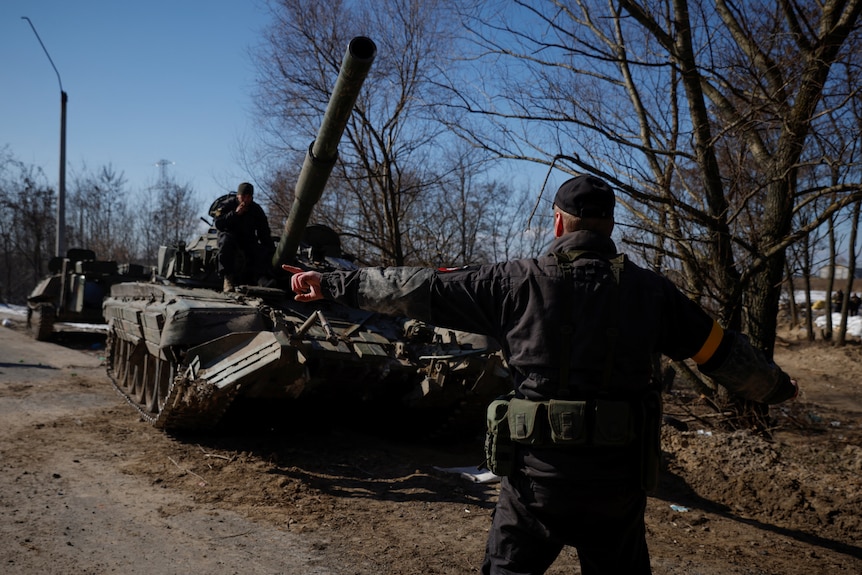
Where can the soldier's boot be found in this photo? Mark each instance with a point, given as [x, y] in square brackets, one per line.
[228, 284]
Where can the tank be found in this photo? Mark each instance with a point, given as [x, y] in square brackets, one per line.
[182, 352]
[74, 289]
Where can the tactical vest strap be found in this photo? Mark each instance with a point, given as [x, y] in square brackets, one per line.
[565, 261]
[612, 329]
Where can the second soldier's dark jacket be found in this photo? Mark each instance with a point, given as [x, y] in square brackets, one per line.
[249, 229]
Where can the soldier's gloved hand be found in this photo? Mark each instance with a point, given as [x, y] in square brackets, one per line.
[787, 388]
[746, 371]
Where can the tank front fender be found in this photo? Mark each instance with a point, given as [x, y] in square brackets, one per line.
[241, 359]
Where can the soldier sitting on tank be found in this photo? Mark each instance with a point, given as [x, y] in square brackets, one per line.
[243, 231]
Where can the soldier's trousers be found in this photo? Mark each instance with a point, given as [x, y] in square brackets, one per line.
[244, 261]
[534, 519]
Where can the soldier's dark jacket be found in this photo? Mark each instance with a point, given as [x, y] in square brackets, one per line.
[249, 228]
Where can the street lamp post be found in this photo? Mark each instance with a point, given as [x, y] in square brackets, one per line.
[61, 194]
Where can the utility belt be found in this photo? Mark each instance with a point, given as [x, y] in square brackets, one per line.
[599, 423]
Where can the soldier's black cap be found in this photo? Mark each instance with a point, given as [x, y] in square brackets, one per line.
[245, 189]
[586, 196]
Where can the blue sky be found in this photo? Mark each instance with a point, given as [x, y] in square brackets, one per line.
[146, 81]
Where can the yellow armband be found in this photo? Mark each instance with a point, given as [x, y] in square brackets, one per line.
[710, 345]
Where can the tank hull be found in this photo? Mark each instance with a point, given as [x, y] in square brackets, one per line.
[74, 291]
[181, 356]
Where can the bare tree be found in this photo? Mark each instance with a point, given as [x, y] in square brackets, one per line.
[851, 271]
[168, 214]
[847, 144]
[27, 226]
[701, 113]
[803, 263]
[458, 223]
[392, 172]
[98, 216]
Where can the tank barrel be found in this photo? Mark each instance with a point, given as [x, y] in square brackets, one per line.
[323, 151]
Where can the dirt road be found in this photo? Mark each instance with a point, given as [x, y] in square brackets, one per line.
[86, 487]
[69, 504]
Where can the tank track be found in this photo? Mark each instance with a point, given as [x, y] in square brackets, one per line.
[162, 391]
[40, 321]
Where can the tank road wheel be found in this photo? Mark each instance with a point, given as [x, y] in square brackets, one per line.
[40, 321]
[144, 380]
[156, 387]
[130, 382]
[119, 362]
[129, 370]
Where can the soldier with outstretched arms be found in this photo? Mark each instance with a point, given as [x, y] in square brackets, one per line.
[578, 439]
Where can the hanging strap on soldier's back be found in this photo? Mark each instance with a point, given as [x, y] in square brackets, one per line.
[565, 261]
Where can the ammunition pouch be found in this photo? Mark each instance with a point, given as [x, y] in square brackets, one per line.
[566, 420]
[599, 422]
[499, 451]
[582, 423]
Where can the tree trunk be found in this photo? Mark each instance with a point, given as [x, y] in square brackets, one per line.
[806, 278]
[830, 281]
[851, 275]
[761, 305]
[791, 298]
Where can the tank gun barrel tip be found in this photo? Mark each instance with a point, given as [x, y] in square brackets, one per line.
[362, 48]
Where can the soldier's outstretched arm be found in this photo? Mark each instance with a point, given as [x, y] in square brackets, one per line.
[394, 290]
